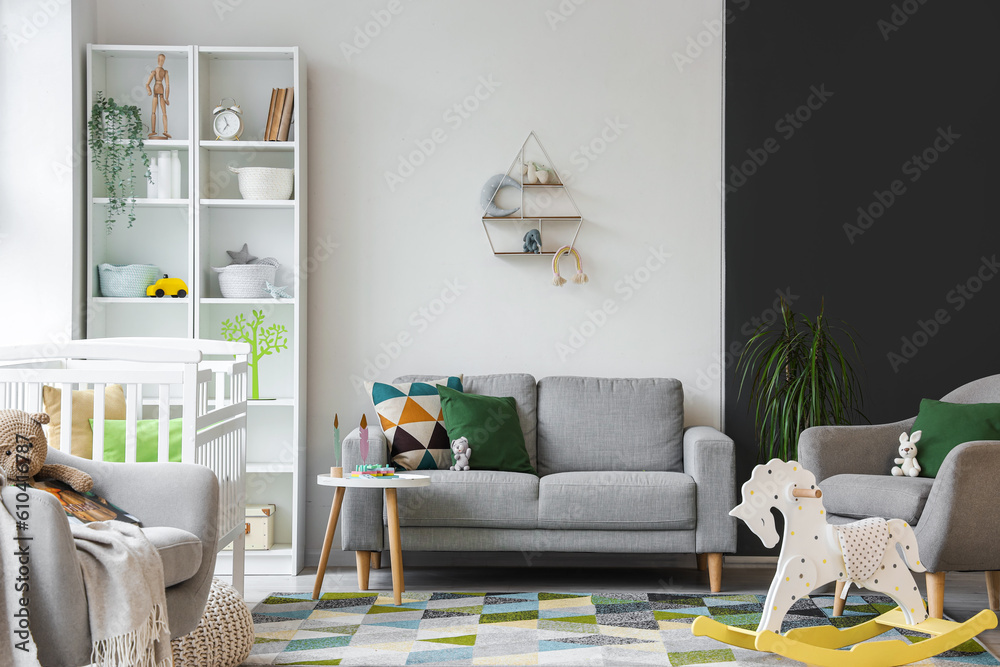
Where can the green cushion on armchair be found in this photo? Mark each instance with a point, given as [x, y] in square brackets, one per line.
[945, 426]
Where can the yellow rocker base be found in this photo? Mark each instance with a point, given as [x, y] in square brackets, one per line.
[819, 646]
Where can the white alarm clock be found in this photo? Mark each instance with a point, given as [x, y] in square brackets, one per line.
[228, 121]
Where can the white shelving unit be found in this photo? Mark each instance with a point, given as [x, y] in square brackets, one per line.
[186, 237]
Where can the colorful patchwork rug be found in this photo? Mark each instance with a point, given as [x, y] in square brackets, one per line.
[538, 629]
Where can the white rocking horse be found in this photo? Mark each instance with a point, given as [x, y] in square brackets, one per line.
[875, 554]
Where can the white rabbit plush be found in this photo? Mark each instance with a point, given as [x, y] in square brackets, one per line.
[907, 465]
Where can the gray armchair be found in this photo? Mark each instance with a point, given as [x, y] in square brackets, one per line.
[177, 505]
[954, 515]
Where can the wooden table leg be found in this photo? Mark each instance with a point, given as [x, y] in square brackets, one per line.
[364, 559]
[376, 560]
[395, 552]
[331, 528]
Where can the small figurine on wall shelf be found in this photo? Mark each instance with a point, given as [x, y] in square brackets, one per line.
[263, 342]
[161, 96]
[167, 286]
[533, 241]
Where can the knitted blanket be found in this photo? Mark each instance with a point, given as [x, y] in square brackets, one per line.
[126, 598]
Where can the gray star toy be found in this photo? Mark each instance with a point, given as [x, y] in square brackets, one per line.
[241, 256]
[276, 292]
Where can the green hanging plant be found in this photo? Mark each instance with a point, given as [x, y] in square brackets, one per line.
[115, 145]
[799, 377]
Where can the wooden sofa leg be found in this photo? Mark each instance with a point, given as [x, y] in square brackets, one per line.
[376, 560]
[935, 594]
[715, 571]
[839, 602]
[702, 562]
[993, 589]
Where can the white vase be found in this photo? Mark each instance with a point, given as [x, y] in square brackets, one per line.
[166, 188]
[175, 174]
[153, 187]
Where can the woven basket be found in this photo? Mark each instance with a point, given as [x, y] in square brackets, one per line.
[126, 280]
[246, 281]
[265, 182]
[224, 636]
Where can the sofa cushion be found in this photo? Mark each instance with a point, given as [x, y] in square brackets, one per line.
[520, 386]
[411, 419]
[617, 501]
[471, 498]
[490, 424]
[179, 550]
[863, 496]
[609, 424]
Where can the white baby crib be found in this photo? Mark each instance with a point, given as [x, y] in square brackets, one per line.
[203, 382]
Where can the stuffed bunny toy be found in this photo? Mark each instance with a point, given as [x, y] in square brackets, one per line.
[907, 465]
[460, 448]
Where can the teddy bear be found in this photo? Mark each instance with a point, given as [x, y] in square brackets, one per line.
[24, 447]
[460, 448]
[907, 465]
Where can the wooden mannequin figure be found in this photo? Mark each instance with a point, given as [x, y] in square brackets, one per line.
[161, 95]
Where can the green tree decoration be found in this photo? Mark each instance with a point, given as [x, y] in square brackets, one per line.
[115, 144]
[263, 341]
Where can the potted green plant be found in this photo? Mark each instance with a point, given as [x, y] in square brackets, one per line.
[116, 146]
[799, 376]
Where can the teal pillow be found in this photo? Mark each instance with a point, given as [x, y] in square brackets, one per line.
[492, 427]
[945, 426]
[147, 432]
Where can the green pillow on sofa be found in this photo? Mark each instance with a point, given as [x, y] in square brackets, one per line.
[147, 432]
[492, 427]
[945, 426]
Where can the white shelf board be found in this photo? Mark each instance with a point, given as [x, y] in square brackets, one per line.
[142, 299]
[165, 144]
[277, 560]
[248, 203]
[214, 145]
[266, 468]
[262, 301]
[150, 203]
[247, 52]
[271, 403]
[136, 51]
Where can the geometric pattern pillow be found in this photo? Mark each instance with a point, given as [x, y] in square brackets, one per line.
[411, 418]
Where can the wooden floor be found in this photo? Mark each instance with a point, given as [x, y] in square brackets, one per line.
[965, 592]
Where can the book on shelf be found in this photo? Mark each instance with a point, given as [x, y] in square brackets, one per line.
[270, 113]
[85, 507]
[286, 115]
[279, 102]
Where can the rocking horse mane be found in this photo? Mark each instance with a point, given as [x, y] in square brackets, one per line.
[775, 473]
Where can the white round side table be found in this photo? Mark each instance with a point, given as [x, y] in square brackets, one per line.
[390, 484]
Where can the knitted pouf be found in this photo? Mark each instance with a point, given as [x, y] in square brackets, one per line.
[224, 635]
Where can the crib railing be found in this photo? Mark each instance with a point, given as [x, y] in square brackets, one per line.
[202, 382]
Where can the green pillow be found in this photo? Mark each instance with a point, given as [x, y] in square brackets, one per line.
[147, 432]
[945, 426]
[492, 428]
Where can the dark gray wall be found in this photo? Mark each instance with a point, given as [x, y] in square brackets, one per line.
[903, 124]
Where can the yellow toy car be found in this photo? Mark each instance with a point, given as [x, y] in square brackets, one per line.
[167, 286]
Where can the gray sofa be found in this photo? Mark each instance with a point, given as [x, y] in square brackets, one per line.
[953, 515]
[178, 505]
[617, 473]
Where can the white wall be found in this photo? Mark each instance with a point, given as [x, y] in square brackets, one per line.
[654, 186]
[40, 184]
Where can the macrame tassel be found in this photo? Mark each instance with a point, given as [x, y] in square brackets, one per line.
[580, 278]
[558, 280]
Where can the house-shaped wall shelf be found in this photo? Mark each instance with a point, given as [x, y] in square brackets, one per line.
[546, 206]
